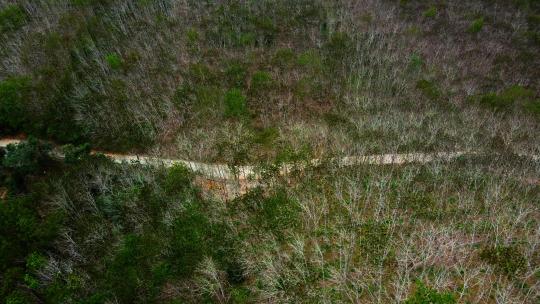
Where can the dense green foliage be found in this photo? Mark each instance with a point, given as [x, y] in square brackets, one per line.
[426, 295]
[156, 227]
[507, 259]
[12, 17]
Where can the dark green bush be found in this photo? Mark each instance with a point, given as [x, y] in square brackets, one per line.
[422, 204]
[14, 96]
[235, 104]
[129, 268]
[276, 212]
[508, 98]
[426, 295]
[506, 259]
[495, 101]
[27, 157]
[178, 179]
[12, 17]
[25, 229]
[73, 154]
[189, 241]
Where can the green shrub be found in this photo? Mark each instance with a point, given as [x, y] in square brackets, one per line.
[114, 61]
[12, 17]
[311, 59]
[275, 212]
[246, 39]
[178, 179]
[284, 58]
[192, 99]
[189, 241]
[74, 154]
[507, 98]
[416, 62]
[506, 259]
[428, 88]
[517, 92]
[125, 271]
[495, 101]
[235, 104]
[426, 295]
[192, 35]
[430, 12]
[35, 261]
[476, 25]
[261, 81]
[27, 157]
[19, 297]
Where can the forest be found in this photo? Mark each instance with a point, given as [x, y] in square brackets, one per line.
[284, 88]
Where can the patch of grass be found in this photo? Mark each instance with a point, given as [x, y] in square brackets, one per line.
[200, 73]
[476, 26]
[235, 104]
[506, 259]
[508, 98]
[428, 88]
[284, 58]
[374, 237]
[191, 99]
[533, 106]
[261, 81]
[12, 17]
[266, 136]
[422, 204]
[236, 74]
[430, 12]
[426, 295]
[416, 62]
[311, 59]
[339, 48]
[192, 36]
[114, 61]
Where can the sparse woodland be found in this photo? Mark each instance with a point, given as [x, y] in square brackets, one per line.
[267, 83]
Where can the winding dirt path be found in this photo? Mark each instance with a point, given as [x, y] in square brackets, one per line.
[225, 172]
[229, 182]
